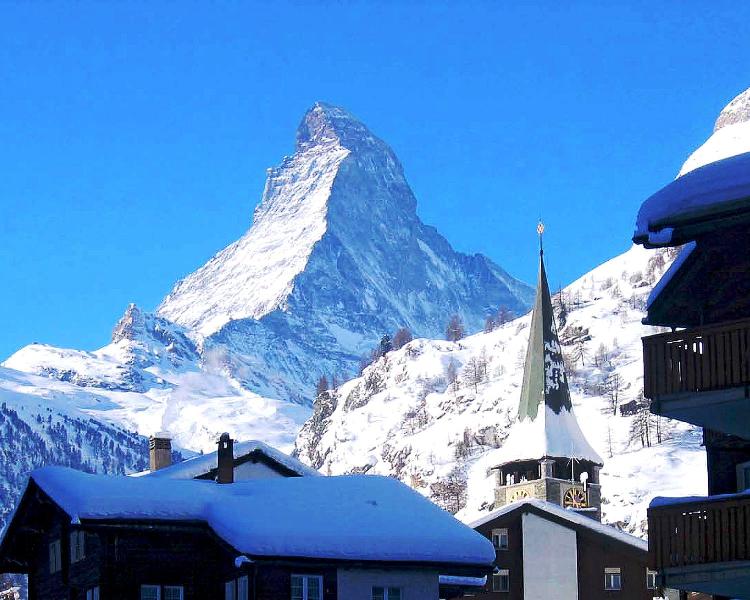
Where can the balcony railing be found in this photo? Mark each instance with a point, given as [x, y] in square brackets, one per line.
[699, 532]
[699, 359]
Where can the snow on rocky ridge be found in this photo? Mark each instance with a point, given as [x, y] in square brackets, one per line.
[405, 417]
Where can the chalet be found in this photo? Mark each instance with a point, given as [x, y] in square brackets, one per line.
[546, 551]
[88, 537]
[699, 372]
[546, 527]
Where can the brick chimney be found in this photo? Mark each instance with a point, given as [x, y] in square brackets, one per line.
[225, 473]
[159, 451]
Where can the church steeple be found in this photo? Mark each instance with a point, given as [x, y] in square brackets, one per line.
[546, 453]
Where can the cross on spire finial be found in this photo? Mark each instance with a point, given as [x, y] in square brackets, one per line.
[540, 231]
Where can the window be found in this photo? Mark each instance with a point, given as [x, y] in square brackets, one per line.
[501, 580]
[55, 562]
[150, 592]
[386, 593]
[500, 539]
[307, 587]
[243, 589]
[237, 589]
[77, 546]
[173, 592]
[612, 578]
[92, 593]
[743, 476]
[650, 579]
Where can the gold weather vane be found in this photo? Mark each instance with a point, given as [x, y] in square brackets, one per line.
[540, 231]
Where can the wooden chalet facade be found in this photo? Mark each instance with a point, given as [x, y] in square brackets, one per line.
[90, 537]
[545, 551]
[700, 371]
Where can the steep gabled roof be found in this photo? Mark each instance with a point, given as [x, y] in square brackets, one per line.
[575, 519]
[546, 425]
[353, 517]
[203, 465]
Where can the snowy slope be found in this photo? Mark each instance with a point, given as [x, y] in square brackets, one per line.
[149, 379]
[403, 417]
[43, 422]
[731, 135]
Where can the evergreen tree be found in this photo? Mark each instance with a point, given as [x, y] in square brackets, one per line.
[455, 329]
[385, 345]
[401, 338]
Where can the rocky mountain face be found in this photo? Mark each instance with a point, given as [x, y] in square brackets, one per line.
[433, 412]
[336, 256]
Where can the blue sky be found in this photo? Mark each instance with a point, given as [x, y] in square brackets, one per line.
[134, 138]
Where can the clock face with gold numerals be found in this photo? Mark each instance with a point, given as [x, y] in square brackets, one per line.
[575, 498]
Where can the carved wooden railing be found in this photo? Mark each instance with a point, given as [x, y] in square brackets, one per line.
[699, 359]
[700, 532]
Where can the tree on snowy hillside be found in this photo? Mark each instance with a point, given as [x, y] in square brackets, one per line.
[402, 337]
[322, 385]
[455, 329]
[450, 493]
[385, 345]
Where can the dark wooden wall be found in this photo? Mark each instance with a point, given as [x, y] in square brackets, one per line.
[511, 559]
[597, 552]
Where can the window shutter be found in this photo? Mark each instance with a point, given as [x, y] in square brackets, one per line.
[242, 588]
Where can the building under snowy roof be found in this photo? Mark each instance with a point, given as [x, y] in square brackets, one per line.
[250, 460]
[546, 455]
[190, 538]
[546, 551]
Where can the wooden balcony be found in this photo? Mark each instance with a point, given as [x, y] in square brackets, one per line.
[702, 545]
[701, 375]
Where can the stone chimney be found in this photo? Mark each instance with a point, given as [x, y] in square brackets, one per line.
[225, 473]
[159, 451]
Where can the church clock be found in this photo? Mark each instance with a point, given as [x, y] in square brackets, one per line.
[575, 498]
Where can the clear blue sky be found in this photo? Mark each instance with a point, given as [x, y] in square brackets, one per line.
[134, 139]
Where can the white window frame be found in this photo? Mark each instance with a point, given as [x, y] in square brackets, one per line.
[55, 556]
[305, 579]
[498, 535]
[498, 577]
[609, 579]
[387, 591]
[243, 594]
[742, 482]
[152, 587]
[179, 588]
[77, 545]
[651, 576]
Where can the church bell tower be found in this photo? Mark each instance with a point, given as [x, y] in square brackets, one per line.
[546, 455]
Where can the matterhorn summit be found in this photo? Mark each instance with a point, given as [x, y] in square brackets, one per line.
[731, 135]
[336, 257]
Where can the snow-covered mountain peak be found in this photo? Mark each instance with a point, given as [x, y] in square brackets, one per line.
[325, 123]
[730, 137]
[737, 111]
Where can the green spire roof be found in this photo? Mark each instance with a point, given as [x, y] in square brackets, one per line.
[544, 380]
[546, 426]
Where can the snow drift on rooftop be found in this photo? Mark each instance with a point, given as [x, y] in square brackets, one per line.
[354, 517]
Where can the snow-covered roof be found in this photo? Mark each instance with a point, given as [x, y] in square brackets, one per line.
[658, 501]
[200, 465]
[351, 517]
[716, 188]
[548, 435]
[462, 580]
[564, 513]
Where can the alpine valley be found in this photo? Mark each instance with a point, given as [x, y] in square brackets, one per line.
[336, 257]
